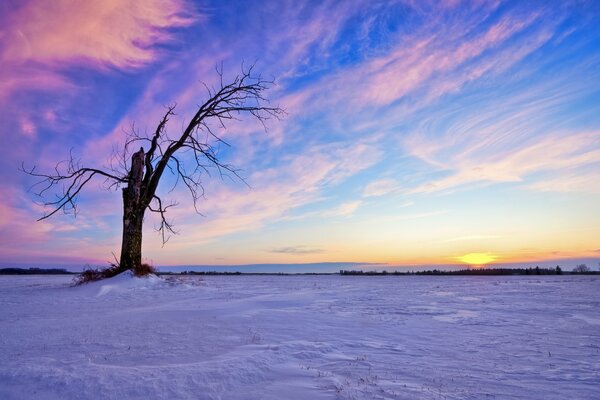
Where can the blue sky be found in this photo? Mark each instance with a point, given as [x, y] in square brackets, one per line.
[416, 132]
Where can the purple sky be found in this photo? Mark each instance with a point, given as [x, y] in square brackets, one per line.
[417, 132]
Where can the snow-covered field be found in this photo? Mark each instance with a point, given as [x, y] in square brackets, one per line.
[301, 337]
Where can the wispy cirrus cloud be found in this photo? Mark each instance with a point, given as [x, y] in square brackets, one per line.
[546, 155]
[569, 182]
[444, 53]
[345, 209]
[470, 238]
[518, 138]
[381, 187]
[297, 250]
[410, 67]
[275, 194]
[45, 50]
[388, 102]
[41, 40]
[102, 33]
[20, 233]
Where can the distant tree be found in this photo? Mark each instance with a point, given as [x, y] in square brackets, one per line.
[558, 270]
[581, 269]
[187, 155]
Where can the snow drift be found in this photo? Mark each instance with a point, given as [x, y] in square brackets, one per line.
[300, 337]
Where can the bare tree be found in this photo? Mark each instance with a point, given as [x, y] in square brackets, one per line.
[187, 156]
[581, 269]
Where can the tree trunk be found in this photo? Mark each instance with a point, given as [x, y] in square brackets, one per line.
[131, 247]
[133, 216]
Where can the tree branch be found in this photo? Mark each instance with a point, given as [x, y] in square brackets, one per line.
[244, 95]
[73, 180]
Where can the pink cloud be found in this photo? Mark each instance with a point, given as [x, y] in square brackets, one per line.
[413, 64]
[105, 32]
[492, 65]
[41, 38]
[381, 187]
[436, 59]
[274, 194]
[346, 209]
[551, 153]
[20, 233]
[14, 78]
[569, 182]
[28, 128]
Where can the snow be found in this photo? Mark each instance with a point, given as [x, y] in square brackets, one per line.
[123, 282]
[300, 337]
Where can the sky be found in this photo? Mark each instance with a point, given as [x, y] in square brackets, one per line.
[416, 132]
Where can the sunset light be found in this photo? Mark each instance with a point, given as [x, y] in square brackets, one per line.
[477, 259]
[413, 132]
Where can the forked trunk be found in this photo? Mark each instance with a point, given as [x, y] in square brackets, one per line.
[133, 216]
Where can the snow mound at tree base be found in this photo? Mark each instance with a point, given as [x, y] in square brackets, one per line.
[124, 282]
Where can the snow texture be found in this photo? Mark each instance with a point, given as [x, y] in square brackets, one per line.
[300, 337]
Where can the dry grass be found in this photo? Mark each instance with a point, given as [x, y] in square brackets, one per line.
[144, 270]
[96, 274]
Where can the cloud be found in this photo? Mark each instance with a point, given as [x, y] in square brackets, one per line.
[276, 192]
[297, 250]
[42, 39]
[428, 214]
[550, 153]
[345, 209]
[424, 57]
[291, 180]
[101, 32]
[20, 233]
[435, 59]
[28, 128]
[389, 86]
[380, 187]
[569, 182]
[58, 59]
[18, 78]
[302, 36]
[523, 135]
[470, 238]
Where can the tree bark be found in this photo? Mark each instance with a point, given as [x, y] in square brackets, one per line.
[133, 215]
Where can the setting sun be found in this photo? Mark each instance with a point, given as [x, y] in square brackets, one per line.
[477, 258]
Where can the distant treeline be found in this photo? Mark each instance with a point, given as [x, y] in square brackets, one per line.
[35, 271]
[200, 273]
[478, 271]
[475, 271]
[240, 273]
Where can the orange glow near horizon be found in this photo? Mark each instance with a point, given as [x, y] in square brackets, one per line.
[411, 138]
[477, 259]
